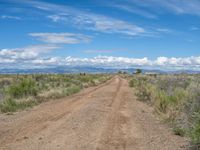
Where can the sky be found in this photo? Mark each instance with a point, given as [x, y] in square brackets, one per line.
[150, 34]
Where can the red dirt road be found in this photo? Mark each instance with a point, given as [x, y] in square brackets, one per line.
[106, 117]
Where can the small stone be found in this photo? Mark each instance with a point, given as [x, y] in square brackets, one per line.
[25, 137]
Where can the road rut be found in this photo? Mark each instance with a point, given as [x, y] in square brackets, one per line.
[106, 117]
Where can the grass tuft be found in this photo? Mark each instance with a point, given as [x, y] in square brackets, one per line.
[179, 131]
[11, 105]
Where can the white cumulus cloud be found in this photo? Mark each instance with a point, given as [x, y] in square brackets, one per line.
[123, 62]
[26, 53]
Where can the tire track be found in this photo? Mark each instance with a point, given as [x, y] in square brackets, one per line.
[106, 117]
[109, 139]
[42, 121]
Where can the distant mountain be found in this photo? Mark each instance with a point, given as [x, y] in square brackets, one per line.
[86, 69]
[184, 72]
[58, 70]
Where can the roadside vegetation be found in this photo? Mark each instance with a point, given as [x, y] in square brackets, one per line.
[22, 91]
[175, 98]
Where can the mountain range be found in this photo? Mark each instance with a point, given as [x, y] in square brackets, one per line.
[87, 69]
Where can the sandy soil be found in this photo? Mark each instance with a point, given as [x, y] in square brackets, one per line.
[106, 117]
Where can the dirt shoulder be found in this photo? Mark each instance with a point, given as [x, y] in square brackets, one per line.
[105, 117]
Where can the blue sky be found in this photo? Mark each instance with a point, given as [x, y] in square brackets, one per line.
[117, 33]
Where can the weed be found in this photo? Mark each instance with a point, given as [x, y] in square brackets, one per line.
[11, 105]
[179, 131]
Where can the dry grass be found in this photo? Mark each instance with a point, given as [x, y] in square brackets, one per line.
[22, 91]
[176, 98]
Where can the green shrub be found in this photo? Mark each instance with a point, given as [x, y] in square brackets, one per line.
[8, 105]
[162, 101]
[195, 133]
[11, 105]
[179, 131]
[72, 90]
[132, 83]
[143, 93]
[27, 87]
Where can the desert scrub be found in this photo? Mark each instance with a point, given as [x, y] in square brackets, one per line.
[72, 89]
[10, 105]
[176, 98]
[195, 134]
[166, 93]
[23, 88]
[16, 90]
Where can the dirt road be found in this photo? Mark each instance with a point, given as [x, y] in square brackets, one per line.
[106, 117]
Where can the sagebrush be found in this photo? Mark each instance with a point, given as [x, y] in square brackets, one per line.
[176, 98]
[22, 91]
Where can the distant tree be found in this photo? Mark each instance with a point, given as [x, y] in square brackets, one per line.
[124, 72]
[119, 72]
[83, 74]
[138, 71]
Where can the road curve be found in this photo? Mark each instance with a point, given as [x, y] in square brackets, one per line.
[106, 117]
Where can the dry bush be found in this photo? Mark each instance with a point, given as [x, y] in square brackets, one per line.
[16, 89]
[175, 97]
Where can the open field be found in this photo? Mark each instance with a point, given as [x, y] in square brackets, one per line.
[105, 117]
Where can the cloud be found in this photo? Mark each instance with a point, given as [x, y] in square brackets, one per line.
[30, 57]
[61, 38]
[164, 30]
[54, 18]
[99, 61]
[98, 23]
[153, 8]
[48, 61]
[32, 54]
[10, 17]
[178, 62]
[133, 9]
[124, 62]
[26, 53]
[191, 7]
[111, 26]
[183, 6]
[194, 28]
[87, 20]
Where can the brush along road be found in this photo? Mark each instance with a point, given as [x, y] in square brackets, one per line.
[106, 117]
